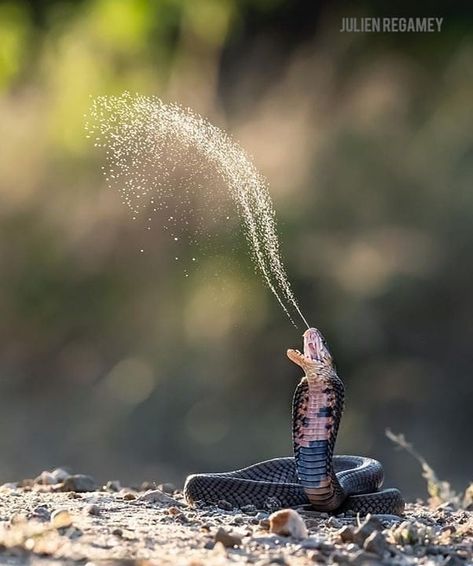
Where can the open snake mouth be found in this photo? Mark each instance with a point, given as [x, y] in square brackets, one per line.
[315, 350]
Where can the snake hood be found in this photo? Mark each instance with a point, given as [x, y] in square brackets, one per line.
[316, 354]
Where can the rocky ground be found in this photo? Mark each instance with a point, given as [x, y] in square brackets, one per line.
[60, 518]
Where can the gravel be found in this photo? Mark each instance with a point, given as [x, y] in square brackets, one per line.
[41, 524]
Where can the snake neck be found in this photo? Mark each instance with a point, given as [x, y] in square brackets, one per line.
[317, 410]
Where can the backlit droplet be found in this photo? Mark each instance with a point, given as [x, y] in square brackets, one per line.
[143, 139]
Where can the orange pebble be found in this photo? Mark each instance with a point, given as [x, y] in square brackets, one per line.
[288, 523]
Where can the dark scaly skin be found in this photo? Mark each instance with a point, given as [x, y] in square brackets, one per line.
[314, 476]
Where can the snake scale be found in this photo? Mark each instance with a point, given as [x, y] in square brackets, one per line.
[314, 476]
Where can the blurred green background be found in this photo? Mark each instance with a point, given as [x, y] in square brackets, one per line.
[115, 363]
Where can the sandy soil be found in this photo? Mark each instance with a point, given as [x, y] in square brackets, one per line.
[45, 521]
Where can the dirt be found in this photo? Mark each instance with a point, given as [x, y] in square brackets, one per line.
[58, 520]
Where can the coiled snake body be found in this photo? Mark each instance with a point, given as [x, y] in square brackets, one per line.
[314, 475]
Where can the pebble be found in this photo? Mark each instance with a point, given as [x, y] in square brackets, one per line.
[219, 549]
[248, 509]
[229, 540]
[9, 485]
[61, 518]
[113, 485]
[129, 496]
[225, 505]
[157, 496]
[46, 478]
[288, 522]
[40, 513]
[369, 525]
[79, 483]
[347, 533]
[264, 524]
[17, 518]
[74, 495]
[376, 543]
[261, 515]
[92, 510]
[60, 474]
[237, 520]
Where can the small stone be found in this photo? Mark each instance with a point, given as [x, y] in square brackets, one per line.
[40, 513]
[113, 485]
[369, 525]
[224, 505]
[9, 485]
[17, 518]
[288, 522]
[405, 533]
[219, 549]
[248, 509]
[209, 545]
[169, 488]
[264, 524]
[228, 540]
[92, 510]
[74, 495]
[468, 498]
[60, 474]
[347, 534]
[261, 515]
[129, 496]
[79, 483]
[117, 532]
[46, 478]
[376, 543]
[157, 496]
[28, 482]
[61, 518]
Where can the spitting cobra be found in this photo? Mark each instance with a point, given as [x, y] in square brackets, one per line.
[314, 476]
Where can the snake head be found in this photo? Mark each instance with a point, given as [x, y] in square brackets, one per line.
[316, 352]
